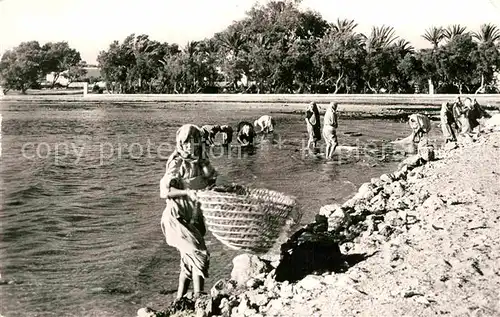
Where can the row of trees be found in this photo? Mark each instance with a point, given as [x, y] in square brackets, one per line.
[27, 65]
[278, 48]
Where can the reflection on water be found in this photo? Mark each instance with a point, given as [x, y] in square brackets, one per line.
[81, 209]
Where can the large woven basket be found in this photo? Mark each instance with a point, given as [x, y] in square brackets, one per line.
[247, 219]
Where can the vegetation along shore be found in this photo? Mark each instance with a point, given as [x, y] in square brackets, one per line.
[276, 48]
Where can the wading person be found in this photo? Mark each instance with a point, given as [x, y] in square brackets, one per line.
[313, 125]
[209, 132]
[246, 133]
[448, 122]
[330, 125]
[182, 221]
[265, 123]
[461, 112]
[227, 134]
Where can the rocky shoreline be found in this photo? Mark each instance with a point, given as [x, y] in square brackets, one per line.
[422, 241]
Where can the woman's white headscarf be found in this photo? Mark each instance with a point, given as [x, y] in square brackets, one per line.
[189, 133]
[330, 119]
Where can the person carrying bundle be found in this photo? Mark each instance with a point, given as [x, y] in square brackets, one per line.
[246, 133]
[420, 126]
[182, 221]
[265, 123]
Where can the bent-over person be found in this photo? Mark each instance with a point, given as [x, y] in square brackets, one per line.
[265, 123]
[227, 134]
[246, 133]
[209, 132]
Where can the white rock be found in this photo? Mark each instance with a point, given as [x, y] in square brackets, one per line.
[433, 202]
[274, 307]
[397, 189]
[336, 219]
[259, 299]
[310, 283]
[386, 178]
[330, 279]
[366, 191]
[146, 312]
[245, 267]
[286, 291]
[450, 146]
[327, 210]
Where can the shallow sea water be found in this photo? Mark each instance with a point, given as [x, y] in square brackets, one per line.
[80, 214]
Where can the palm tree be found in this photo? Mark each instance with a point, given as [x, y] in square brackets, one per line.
[434, 35]
[404, 47]
[488, 33]
[191, 48]
[487, 36]
[233, 41]
[344, 26]
[453, 31]
[380, 38]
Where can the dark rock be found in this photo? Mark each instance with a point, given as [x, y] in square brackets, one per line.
[311, 249]
[411, 162]
[204, 307]
[426, 153]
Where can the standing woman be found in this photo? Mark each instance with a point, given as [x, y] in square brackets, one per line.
[461, 113]
[330, 125]
[313, 125]
[182, 221]
[448, 122]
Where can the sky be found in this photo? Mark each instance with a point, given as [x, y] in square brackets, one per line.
[89, 26]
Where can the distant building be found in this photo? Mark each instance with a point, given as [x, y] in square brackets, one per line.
[92, 72]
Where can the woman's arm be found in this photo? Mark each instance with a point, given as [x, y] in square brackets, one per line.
[171, 179]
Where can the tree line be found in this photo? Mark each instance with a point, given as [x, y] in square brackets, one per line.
[278, 48]
[26, 65]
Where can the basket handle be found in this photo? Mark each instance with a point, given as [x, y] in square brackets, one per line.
[181, 193]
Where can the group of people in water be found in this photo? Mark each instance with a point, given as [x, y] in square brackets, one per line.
[188, 169]
[246, 132]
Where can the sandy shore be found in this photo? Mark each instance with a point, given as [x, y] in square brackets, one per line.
[428, 235]
[279, 99]
[350, 106]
